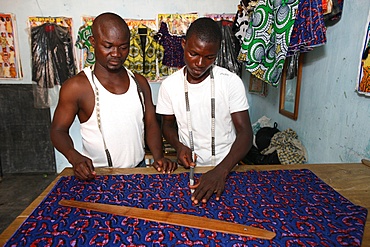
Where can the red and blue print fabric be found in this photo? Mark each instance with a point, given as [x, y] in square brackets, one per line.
[295, 204]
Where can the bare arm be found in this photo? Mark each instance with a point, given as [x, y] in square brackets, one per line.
[152, 130]
[67, 109]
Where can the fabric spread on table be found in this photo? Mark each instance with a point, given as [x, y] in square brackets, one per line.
[295, 204]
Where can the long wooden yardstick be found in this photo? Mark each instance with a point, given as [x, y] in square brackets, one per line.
[173, 219]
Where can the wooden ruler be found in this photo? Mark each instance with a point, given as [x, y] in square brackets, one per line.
[173, 219]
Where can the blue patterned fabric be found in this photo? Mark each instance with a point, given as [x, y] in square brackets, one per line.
[295, 204]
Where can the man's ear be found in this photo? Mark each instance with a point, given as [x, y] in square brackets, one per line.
[183, 42]
[92, 41]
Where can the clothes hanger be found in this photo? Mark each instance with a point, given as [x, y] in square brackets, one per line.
[142, 29]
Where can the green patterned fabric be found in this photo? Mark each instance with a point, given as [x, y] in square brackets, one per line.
[83, 42]
[265, 45]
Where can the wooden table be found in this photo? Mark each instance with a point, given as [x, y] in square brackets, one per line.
[352, 180]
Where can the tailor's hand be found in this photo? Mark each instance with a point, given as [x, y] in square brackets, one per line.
[165, 165]
[184, 157]
[83, 167]
[211, 182]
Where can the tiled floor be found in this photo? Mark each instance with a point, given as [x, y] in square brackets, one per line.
[17, 192]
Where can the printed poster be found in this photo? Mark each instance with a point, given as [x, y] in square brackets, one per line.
[177, 23]
[363, 86]
[10, 65]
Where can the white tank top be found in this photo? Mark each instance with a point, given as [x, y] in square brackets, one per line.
[122, 126]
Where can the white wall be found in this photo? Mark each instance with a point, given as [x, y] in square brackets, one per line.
[130, 9]
[333, 121]
[137, 9]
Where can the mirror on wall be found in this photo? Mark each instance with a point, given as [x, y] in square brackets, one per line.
[290, 86]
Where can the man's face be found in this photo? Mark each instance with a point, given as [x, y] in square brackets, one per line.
[111, 46]
[199, 57]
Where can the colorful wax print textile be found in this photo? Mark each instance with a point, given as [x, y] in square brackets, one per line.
[177, 24]
[85, 48]
[309, 29]
[363, 86]
[295, 204]
[173, 51]
[334, 15]
[146, 54]
[265, 45]
[243, 18]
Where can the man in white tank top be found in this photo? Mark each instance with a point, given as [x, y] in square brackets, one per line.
[113, 105]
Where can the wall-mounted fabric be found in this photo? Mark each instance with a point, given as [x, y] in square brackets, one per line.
[243, 18]
[227, 57]
[363, 84]
[52, 56]
[177, 23]
[333, 11]
[309, 29]
[173, 51]
[265, 45]
[146, 55]
[87, 56]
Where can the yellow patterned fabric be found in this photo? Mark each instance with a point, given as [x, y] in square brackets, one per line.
[147, 61]
[290, 150]
[365, 81]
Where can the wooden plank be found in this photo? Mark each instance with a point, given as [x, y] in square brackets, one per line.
[174, 219]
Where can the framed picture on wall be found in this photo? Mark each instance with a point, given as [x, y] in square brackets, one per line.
[257, 86]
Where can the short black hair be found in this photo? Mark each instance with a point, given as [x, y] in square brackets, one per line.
[206, 29]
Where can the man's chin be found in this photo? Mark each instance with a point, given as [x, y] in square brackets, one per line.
[197, 74]
[114, 67]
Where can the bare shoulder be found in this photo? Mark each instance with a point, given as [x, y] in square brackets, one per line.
[77, 81]
[144, 85]
[77, 96]
[141, 80]
[77, 85]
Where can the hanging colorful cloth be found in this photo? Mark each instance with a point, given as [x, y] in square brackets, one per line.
[364, 85]
[146, 55]
[309, 29]
[52, 59]
[265, 45]
[243, 18]
[227, 56]
[335, 13]
[173, 51]
[84, 44]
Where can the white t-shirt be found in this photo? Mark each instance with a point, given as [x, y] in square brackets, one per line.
[230, 97]
[122, 126]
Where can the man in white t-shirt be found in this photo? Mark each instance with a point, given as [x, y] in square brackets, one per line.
[204, 111]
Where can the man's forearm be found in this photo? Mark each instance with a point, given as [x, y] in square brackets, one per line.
[154, 141]
[64, 144]
[171, 135]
